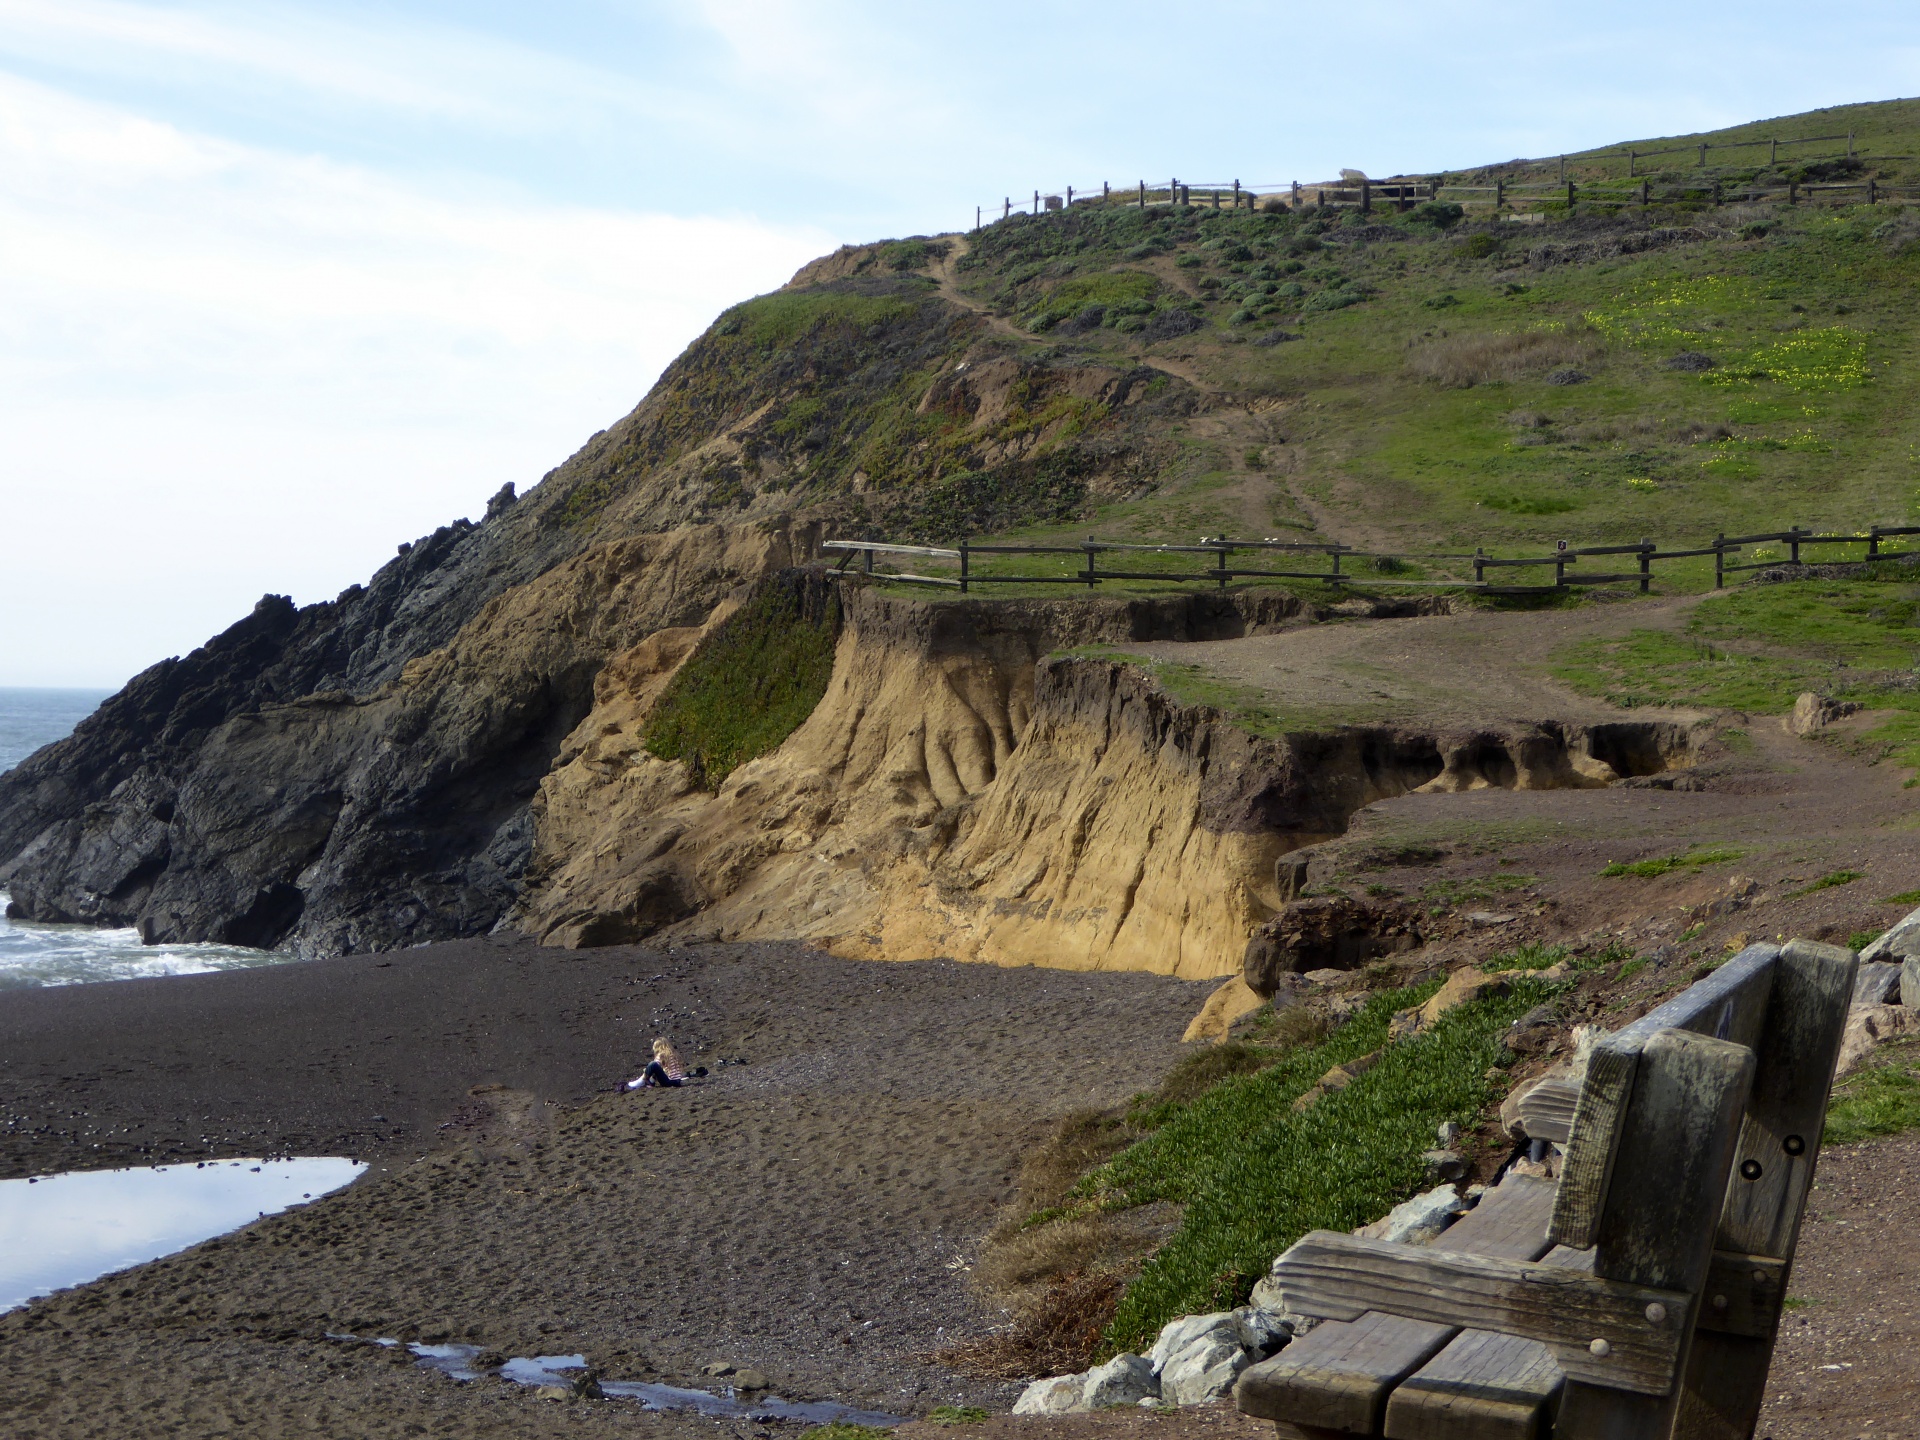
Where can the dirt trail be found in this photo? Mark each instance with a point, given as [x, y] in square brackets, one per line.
[944, 273]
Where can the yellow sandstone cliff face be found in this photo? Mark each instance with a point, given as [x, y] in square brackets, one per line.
[957, 792]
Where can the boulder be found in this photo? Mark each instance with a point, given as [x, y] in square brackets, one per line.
[1326, 932]
[1056, 1395]
[1813, 713]
[1206, 1368]
[1871, 1025]
[1877, 983]
[1124, 1380]
[1178, 1335]
[1444, 1164]
[1420, 1220]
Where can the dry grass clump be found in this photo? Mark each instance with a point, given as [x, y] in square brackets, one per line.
[1462, 361]
[1059, 1332]
[1073, 1147]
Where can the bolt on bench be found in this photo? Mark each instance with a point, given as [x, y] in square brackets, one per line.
[1637, 1297]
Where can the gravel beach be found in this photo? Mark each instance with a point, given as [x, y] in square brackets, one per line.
[808, 1210]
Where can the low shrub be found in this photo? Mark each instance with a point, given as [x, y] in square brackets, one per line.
[1462, 361]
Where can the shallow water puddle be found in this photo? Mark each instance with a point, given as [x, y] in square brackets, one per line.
[60, 1230]
[456, 1361]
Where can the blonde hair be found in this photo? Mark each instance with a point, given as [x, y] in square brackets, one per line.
[664, 1052]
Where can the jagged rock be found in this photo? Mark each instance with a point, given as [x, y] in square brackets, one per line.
[1418, 1221]
[1813, 713]
[1126, 1379]
[1877, 982]
[1198, 1357]
[1444, 1164]
[1326, 932]
[1871, 1025]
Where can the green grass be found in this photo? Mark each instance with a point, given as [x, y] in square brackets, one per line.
[1828, 882]
[956, 1415]
[1531, 956]
[783, 317]
[1882, 1100]
[749, 686]
[1254, 1176]
[1757, 649]
[1667, 864]
[1905, 897]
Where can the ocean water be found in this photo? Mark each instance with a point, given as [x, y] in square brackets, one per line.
[35, 955]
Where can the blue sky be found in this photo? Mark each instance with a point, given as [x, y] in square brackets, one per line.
[284, 284]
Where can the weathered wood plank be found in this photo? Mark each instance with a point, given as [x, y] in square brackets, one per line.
[1547, 1108]
[1779, 1147]
[1601, 1330]
[1484, 1386]
[1743, 1294]
[1481, 1387]
[1663, 1206]
[1730, 1004]
[1587, 1167]
[1336, 1378]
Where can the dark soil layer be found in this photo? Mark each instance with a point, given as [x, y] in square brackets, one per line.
[808, 1212]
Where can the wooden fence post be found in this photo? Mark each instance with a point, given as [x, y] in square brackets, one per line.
[1006, 207]
[1296, 194]
[869, 561]
[1236, 195]
[1645, 185]
[1720, 561]
[1793, 196]
[1703, 157]
[1646, 564]
[1216, 199]
[1143, 194]
[1036, 202]
[1499, 195]
[1569, 195]
[1480, 566]
[976, 217]
[1186, 196]
[1716, 191]
[1793, 545]
[1630, 160]
[1849, 144]
[1773, 151]
[1336, 562]
[1088, 577]
[1563, 167]
[1069, 197]
[1873, 542]
[1106, 191]
[1873, 194]
[1220, 563]
[963, 567]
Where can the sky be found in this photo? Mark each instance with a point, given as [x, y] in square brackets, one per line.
[283, 285]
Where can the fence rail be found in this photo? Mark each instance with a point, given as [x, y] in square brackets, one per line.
[1404, 190]
[1564, 561]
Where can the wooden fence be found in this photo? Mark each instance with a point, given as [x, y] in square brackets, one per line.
[1339, 561]
[1403, 192]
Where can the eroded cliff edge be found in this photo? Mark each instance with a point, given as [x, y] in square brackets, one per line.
[962, 790]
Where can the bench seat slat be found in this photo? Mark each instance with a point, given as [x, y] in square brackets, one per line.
[1336, 1377]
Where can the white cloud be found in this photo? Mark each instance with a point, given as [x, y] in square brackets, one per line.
[225, 371]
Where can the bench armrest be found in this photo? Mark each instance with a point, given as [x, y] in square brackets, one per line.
[1604, 1332]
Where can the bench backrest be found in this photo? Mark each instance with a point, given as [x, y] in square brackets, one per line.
[1689, 1155]
[1663, 1129]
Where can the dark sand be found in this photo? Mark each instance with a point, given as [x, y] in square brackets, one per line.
[809, 1212]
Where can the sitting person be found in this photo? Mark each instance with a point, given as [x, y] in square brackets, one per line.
[664, 1069]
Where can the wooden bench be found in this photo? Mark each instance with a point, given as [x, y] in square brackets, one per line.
[1637, 1297]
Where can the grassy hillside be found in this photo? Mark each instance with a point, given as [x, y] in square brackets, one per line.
[1439, 380]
